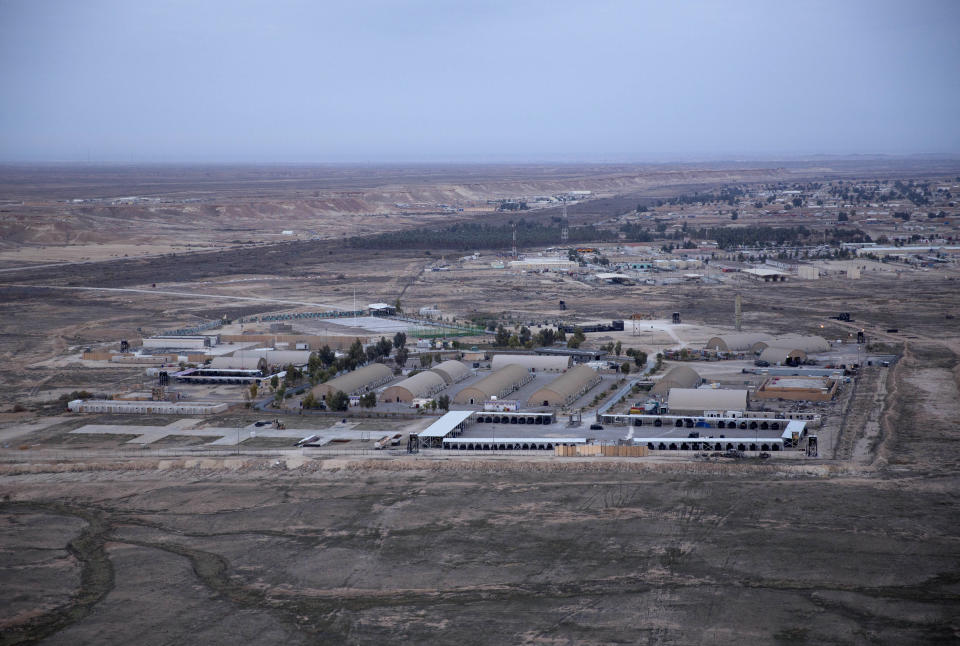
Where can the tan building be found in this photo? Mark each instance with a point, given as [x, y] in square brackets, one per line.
[812, 389]
[796, 343]
[452, 371]
[747, 342]
[701, 401]
[499, 384]
[532, 362]
[566, 388]
[778, 356]
[676, 377]
[420, 385]
[358, 382]
[755, 343]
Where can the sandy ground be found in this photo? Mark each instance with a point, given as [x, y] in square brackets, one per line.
[98, 546]
[77, 253]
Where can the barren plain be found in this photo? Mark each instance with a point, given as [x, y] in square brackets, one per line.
[858, 546]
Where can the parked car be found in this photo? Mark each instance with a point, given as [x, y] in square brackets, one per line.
[596, 427]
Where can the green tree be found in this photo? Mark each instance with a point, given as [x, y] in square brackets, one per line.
[545, 337]
[338, 401]
[524, 335]
[625, 367]
[356, 353]
[399, 340]
[292, 374]
[426, 360]
[444, 402]
[253, 390]
[368, 400]
[577, 339]
[326, 356]
[502, 337]
[618, 348]
[401, 356]
[274, 383]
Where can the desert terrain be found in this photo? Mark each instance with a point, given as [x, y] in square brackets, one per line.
[181, 542]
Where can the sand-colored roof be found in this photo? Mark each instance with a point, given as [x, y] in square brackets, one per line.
[452, 371]
[743, 342]
[422, 384]
[804, 343]
[566, 387]
[507, 379]
[359, 380]
[774, 354]
[677, 377]
[701, 399]
[531, 361]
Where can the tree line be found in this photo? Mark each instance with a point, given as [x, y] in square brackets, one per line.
[466, 236]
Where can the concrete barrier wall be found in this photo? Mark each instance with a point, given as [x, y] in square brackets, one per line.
[601, 450]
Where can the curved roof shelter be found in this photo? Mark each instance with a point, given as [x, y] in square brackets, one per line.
[803, 343]
[452, 371]
[694, 401]
[356, 382]
[534, 362]
[775, 355]
[677, 377]
[248, 360]
[566, 388]
[499, 383]
[737, 342]
[422, 384]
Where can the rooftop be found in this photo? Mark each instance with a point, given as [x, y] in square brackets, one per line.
[446, 424]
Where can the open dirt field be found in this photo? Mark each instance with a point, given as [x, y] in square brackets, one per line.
[183, 544]
[503, 551]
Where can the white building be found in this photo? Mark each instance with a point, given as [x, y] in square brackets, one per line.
[546, 263]
[174, 342]
[145, 407]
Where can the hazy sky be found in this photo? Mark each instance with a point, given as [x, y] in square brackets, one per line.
[359, 80]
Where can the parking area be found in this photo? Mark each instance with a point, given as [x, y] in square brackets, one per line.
[557, 430]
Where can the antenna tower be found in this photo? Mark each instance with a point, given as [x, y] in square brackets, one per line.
[515, 240]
